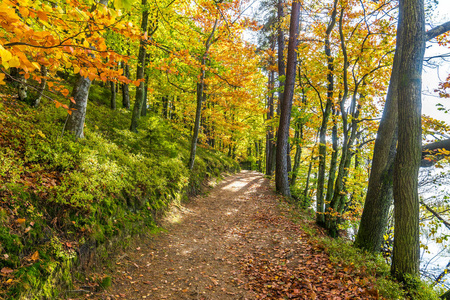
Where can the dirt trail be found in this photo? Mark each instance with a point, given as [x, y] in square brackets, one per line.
[232, 243]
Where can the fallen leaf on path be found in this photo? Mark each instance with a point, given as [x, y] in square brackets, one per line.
[6, 270]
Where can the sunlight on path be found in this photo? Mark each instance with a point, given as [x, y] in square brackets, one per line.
[232, 243]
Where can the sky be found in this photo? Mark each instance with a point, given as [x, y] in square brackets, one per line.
[432, 76]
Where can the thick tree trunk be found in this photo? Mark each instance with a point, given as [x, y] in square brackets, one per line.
[80, 93]
[405, 258]
[379, 192]
[140, 91]
[125, 87]
[281, 169]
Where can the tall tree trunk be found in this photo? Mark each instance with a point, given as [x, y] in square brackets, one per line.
[320, 203]
[80, 93]
[379, 192]
[140, 91]
[269, 131]
[281, 169]
[280, 41]
[125, 87]
[405, 259]
[200, 95]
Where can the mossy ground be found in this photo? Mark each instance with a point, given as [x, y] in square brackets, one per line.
[61, 198]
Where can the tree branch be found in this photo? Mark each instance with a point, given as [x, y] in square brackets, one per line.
[437, 215]
[436, 31]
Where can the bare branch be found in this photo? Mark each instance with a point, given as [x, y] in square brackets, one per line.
[436, 31]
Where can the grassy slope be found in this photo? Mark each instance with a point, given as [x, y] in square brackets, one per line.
[63, 200]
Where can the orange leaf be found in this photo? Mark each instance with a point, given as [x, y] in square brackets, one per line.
[6, 270]
[35, 256]
[65, 92]
[20, 221]
[42, 15]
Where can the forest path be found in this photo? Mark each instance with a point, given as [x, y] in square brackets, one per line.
[232, 243]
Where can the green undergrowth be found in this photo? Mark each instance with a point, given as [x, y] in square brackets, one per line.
[371, 266]
[64, 201]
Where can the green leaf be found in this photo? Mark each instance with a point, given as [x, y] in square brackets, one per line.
[123, 4]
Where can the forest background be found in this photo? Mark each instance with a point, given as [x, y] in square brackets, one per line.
[125, 106]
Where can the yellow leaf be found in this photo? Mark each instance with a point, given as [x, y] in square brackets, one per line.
[41, 134]
[76, 69]
[36, 65]
[14, 62]
[24, 11]
[20, 221]
[2, 76]
[6, 56]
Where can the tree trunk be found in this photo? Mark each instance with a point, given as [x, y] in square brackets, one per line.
[80, 93]
[125, 87]
[405, 259]
[333, 161]
[298, 136]
[269, 131]
[379, 192]
[113, 94]
[320, 209]
[145, 100]
[280, 41]
[140, 91]
[200, 95]
[281, 169]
